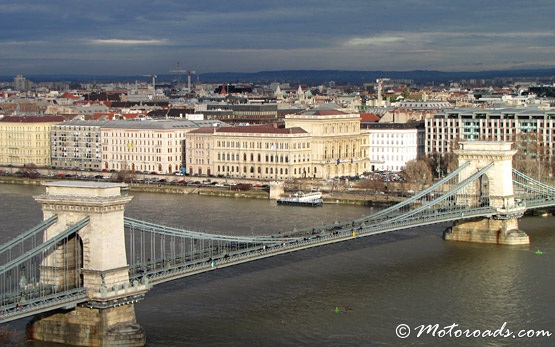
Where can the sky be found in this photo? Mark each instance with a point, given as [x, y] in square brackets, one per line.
[136, 37]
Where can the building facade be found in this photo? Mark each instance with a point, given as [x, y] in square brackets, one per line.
[260, 152]
[445, 129]
[392, 145]
[25, 140]
[77, 144]
[338, 146]
[147, 146]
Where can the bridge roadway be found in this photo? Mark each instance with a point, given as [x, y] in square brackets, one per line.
[327, 235]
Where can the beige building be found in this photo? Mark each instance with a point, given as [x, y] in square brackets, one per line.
[148, 146]
[338, 146]
[261, 152]
[315, 144]
[26, 140]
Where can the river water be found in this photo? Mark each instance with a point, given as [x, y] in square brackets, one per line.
[353, 293]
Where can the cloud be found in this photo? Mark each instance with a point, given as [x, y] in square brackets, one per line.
[247, 35]
[122, 42]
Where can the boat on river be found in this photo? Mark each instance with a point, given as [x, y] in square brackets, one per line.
[302, 199]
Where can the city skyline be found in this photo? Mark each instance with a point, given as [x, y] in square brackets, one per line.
[140, 37]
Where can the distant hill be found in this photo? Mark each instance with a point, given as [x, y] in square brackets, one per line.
[311, 77]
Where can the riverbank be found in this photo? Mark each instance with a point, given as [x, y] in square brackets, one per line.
[332, 197]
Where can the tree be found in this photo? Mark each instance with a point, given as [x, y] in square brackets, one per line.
[531, 158]
[406, 93]
[125, 176]
[417, 173]
[372, 185]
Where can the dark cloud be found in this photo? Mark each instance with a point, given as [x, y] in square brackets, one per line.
[139, 37]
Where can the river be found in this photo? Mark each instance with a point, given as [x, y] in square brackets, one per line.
[353, 293]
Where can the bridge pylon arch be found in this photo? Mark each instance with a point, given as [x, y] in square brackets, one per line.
[107, 318]
[494, 189]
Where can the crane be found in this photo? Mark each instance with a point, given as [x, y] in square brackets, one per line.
[188, 72]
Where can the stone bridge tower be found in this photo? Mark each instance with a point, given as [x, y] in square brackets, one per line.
[494, 188]
[108, 317]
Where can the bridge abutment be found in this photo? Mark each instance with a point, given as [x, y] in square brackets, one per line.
[83, 326]
[98, 249]
[276, 190]
[494, 189]
[487, 230]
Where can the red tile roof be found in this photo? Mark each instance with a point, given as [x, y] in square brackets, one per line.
[68, 95]
[369, 117]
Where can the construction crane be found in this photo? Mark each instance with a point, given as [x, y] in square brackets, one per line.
[380, 81]
[188, 72]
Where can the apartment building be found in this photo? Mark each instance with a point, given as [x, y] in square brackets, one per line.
[77, 144]
[148, 146]
[26, 140]
[445, 129]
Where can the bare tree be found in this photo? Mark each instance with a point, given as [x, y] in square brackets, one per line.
[417, 173]
[531, 158]
[373, 185]
[30, 170]
[125, 176]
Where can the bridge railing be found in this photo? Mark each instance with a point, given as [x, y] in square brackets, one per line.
[37, 273]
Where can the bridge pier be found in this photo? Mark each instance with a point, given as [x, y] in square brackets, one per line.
[98, 252]
[487, 230]
[83, 326]
[276, 190]
[496, 188]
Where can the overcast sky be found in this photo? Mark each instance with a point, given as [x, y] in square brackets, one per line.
[130, 37]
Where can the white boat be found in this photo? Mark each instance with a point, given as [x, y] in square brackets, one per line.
[303, 199]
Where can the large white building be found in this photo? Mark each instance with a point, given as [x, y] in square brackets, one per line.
[392, 145]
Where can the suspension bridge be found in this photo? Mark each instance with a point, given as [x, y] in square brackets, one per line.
[85, 265]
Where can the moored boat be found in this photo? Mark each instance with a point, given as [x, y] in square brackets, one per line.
[302, 199]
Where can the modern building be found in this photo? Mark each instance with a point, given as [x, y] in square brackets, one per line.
[261, 152]
[25, 140]
[338, 146]
[392, 145]
[21, 83]
[77, 144]
[445, 129]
